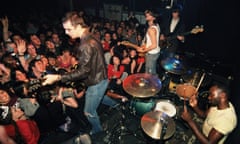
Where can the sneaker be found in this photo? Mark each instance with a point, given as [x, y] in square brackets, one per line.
[83, 139]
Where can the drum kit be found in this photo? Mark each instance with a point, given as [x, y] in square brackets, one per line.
[157, 116]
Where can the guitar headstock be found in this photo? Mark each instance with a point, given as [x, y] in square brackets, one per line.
[197, 29]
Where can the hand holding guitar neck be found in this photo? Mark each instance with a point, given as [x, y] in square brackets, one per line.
[140, 49]
[165, 41]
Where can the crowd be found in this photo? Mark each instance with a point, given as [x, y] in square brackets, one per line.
[32, 48]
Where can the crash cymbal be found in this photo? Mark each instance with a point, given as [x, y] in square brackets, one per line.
[158, 125]
[174, 65]
[142, 85]
[185, 90]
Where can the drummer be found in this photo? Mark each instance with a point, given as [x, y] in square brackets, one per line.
[220, 118]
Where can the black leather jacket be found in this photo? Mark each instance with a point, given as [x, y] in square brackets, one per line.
[92, 68]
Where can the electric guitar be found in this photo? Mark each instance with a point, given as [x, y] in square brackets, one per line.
[129, 44]
[166, 43]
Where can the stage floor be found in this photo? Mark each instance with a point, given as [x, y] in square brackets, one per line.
[131, 130]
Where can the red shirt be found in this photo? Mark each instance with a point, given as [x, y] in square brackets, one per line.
[140, 60]
[28, 130]
[113, 73]
[106, 46]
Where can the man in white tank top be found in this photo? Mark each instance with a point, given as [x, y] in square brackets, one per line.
[151, 46]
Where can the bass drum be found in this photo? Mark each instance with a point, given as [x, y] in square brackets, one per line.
[141, 106]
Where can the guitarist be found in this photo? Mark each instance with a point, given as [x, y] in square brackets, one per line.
[151, 45]
[171, 38]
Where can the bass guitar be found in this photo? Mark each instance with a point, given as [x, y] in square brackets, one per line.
[129, 44]
[166, 43]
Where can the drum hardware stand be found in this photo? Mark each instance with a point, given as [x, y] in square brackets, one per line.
[165, 83]
[119, 129]
[165, 86]
[163, 130]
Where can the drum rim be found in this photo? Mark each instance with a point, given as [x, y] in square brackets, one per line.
[168, 102]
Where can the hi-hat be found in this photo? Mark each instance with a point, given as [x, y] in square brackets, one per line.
[142, 85]
[158, 125]
[174, 65]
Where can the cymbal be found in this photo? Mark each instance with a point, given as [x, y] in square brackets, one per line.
[142, 85]
[174, 65]
[185, 90]
[158, 125]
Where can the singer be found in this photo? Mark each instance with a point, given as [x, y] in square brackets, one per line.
[92, 68]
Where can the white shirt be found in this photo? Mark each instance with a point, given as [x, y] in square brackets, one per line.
[224, 121]
[148, 40]
[173, 24]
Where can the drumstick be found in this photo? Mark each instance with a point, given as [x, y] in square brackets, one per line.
[184, 99]
[202, 77]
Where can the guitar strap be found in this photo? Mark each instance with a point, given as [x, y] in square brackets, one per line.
[144, 40]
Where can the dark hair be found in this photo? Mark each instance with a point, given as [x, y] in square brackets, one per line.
[51, 55]
[18, 88]
[6, 119]
[32, 64]
[13, 73]
[151, 12]
[222, 87]
[154, 14]
[176, 8]
[76, 19]
[8, 90]
[111, 61]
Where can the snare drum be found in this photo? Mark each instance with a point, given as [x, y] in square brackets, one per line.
[166, 106]
[185, 91]
[141, 106]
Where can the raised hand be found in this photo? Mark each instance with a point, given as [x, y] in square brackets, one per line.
[21, 46]
[4, 22]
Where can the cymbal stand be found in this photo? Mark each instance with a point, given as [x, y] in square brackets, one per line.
[165, 83]
[115, 135]
[164, 123]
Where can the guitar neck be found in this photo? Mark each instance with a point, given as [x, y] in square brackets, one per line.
[130, 45]
[182, 34]
[195, 30]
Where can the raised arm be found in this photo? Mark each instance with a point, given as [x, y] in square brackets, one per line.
[5, 24]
